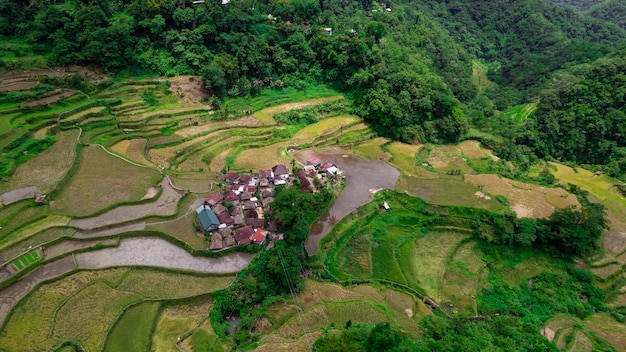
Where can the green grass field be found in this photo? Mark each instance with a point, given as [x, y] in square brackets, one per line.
[521, 113]
[132, 332]
[447, 190]
[201, 340]
[176, 322]
[32, 229]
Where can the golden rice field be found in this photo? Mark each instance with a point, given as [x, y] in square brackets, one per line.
[161, 155]
[325, 126]
[601, 187]
[263, 158]
[526, 200]
[132, 149]
[275, 343]
[403, 157]
[447, 157]
[29, 329]
[474, 150]
[82, 114]
[66, 308]
[608, 329]
[446, 190]
[218, 162]
[177, 321]
[372, 149]
[323, 303]
[87, 321]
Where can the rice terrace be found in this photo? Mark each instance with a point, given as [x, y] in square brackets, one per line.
[127, 213]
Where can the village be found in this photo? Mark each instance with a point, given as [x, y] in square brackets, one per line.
[239, 213]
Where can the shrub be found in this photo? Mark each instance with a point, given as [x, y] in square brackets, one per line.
[150, 98]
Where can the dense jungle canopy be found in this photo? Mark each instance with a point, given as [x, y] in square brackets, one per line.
[409, 66]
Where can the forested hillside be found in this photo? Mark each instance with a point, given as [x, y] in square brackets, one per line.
[576, 4]
[581, 116]
[407, 65]
[610, 10]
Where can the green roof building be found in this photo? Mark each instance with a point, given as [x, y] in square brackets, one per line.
[207, 220]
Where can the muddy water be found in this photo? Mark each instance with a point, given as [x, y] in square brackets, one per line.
[362, 177]
[157, 252]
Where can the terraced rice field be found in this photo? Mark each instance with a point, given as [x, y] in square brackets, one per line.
[526, 200]
[66, 308]
[179, 136]
[177, 321]
[320, 304]
[47, 169]
[100, 171]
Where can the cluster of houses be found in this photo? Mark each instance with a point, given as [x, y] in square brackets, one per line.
[238, 214]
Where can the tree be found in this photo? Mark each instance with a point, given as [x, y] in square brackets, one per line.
[383, 338]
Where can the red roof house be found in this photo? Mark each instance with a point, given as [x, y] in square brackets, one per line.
[305, 184]
[214, 199]
[314, 161]
[279, 170]
[265, 173]
[243, 234]
[254, 222]
[251, 213]
[325, 166]
[232, 177]
[225, 218]
[259, 236]
[231, 196]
